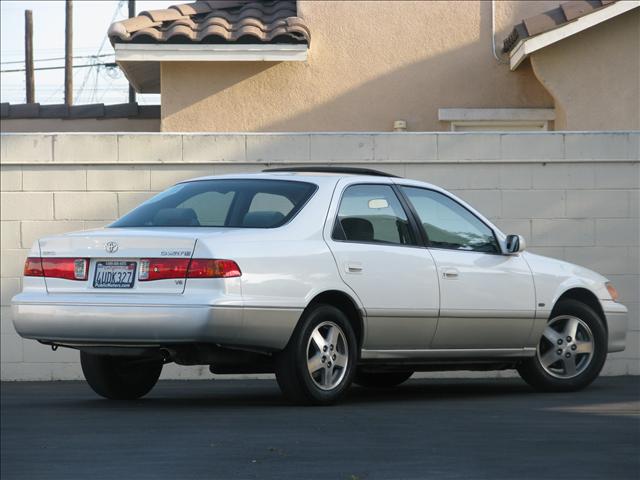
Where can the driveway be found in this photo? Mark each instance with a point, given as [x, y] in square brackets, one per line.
[437, 429]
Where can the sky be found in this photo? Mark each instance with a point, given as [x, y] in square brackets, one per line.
[91, 20]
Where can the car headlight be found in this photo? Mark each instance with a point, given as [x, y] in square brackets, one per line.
[612, 291]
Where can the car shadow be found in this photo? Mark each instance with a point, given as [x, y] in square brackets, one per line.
[265, 393]
[242, 394]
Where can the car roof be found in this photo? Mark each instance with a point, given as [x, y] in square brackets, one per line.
[320, 176]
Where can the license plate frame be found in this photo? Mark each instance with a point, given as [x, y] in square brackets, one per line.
[120, 267]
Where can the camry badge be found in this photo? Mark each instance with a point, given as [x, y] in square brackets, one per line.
[111, 247]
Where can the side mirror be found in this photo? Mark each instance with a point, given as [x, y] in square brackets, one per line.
[515, 244]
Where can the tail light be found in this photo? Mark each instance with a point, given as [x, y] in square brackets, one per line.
[202, 268]
[162, 268]
[33, 267]
[149, 268]
[168, 268]
[67, 268]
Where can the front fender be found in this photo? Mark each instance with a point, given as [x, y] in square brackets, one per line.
[577, 283]
[552, 279]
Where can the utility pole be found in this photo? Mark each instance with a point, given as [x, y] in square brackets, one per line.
[68, 53]
[28, 55]
[132, 13]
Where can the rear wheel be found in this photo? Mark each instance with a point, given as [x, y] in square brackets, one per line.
[120, 378]
[380, 379]
[318, 364]
[571, 351]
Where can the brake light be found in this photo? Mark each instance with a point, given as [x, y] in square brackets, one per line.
[162, 268]
[66, 268]
[33, 267]
[169, 268]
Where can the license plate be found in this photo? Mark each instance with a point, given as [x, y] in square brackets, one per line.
[114, 274]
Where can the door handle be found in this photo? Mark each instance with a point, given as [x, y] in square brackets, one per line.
[354, 267]
[450, 273]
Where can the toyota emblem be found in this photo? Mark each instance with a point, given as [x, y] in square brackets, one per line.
[111, 247]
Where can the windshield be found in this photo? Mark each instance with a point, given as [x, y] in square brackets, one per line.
[222, 203]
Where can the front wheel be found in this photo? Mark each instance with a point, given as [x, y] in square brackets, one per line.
[571, 351]
[318, 363]
[120, 378]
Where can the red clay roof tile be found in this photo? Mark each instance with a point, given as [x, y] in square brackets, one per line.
[576, 9]
[557, 17]
[214, 22]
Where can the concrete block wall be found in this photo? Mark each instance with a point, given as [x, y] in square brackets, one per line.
[573, 196]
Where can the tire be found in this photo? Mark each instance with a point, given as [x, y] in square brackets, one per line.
[322, 326]
[550, 370]
[380, 379]
[120, 378]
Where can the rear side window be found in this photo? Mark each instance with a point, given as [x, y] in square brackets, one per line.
[372, 214]
[222, 203]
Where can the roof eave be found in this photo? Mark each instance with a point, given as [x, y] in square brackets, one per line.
[140, 61]
[525, 47]
[175, 52]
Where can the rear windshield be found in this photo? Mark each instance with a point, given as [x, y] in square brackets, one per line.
[222, 203]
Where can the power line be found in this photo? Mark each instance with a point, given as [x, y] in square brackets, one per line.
[115, 14]
[98, 59]
[17, 52]
[60, 88]
[110, 64]
[120, 88]
[104, 40]
[58, 58]
[84, 83]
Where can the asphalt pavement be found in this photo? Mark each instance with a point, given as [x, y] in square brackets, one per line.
[440, 429]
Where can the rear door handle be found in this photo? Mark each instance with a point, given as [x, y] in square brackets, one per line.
[354, 267]
[450, 273]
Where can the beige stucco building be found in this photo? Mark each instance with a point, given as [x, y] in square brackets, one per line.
[594, 76]
[360, 66]
[370, 63]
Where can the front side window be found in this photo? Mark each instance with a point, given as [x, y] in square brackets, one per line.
[241, 203]
[372, 214]
[448, 224]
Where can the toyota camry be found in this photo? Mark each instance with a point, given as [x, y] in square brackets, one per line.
[323, 276]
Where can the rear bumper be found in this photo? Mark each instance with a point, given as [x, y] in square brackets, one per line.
[126, 324]
[617, 324]
[149, 324]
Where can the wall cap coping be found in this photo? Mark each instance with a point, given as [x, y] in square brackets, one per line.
[100, 111]
[359, 147]
[345, 133]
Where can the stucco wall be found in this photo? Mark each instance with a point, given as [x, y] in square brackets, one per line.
[594, 76]
[370, 63]
[573, 196]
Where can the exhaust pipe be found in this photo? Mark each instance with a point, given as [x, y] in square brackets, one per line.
[168, 355]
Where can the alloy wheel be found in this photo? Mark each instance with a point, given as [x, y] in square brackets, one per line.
[327, 355]
[566, 347]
